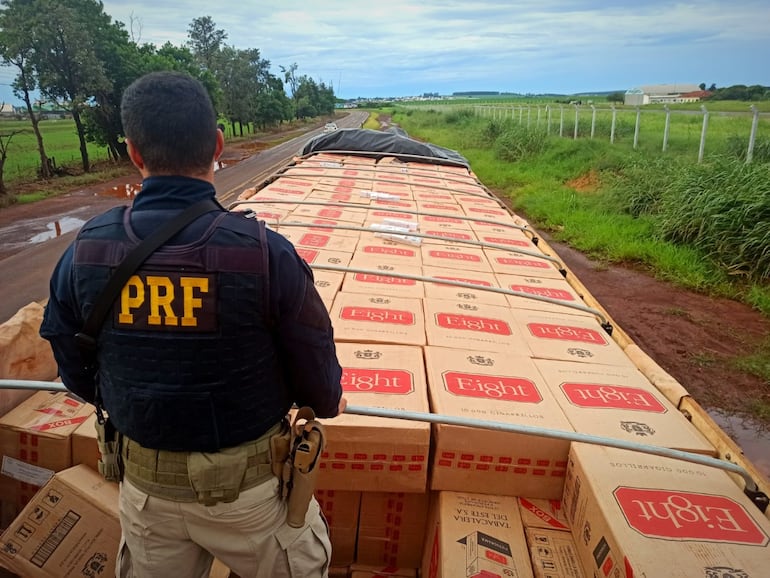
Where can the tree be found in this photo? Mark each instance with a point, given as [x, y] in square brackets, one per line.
[5, 141]
[16, 49]
[713, 87]
[702, 86]
[205, 40]
[69, 69]
[290, 78]
[616, 97]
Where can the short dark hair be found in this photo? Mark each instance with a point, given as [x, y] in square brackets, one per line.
[169, 118]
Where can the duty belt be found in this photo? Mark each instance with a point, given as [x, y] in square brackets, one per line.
[207, 478]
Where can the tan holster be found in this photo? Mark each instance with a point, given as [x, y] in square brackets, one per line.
[303, 444]
[108, 442]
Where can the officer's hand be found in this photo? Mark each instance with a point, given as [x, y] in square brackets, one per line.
[343, 404]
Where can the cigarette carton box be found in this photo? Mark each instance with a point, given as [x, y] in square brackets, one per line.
[362, 318]
[535, 289]
[317, 239]
[635, 514]
[354, 216]
[619, 402]
[569, 338]
[459, 257]
[391, 530]
[475, 536]
[539, 513]
[375, 454]
[380, 282]
[495, 387]
[35, 442]
[69, 528]
[514, 263]
[444, 223]
[85, 450]
[341, 510]
[463, 294]
[327, 283]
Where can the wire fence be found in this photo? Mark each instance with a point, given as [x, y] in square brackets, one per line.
[740, 133]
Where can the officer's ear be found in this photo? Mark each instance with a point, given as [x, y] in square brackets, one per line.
[135, 156]
[220, 144]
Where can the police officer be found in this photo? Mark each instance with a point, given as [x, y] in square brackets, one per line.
[207, 347]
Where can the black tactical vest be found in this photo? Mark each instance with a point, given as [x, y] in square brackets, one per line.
[187, 358]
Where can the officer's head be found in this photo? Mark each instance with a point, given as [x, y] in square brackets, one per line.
[170, 125]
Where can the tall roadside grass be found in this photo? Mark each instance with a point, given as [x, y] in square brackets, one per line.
[703, 227]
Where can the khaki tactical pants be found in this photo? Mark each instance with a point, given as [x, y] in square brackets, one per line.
[164, 539]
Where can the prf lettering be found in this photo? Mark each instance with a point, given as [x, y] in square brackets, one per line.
[169, 301]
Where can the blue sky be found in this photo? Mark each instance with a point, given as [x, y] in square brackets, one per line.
[408, 47]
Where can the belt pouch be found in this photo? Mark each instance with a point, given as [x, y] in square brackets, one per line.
[218, 476]
[107, 440]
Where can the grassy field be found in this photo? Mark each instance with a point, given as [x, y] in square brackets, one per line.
[702, 226]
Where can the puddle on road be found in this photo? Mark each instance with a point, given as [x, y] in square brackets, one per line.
[57, 229]
[750, 435]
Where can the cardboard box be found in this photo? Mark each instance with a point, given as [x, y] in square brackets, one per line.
[553, 554]
[324, 226]
[354, 216]
[373, 251]
[391, 530]
[447, 223]
[70, 528]
[35, 442]
[568, 338]
[371, 453]
[635, 514]
[539, 513]
[496, 387]
[383, 284]
[437, 207]
[533, 287]
[463, 294]
[327, 283]
[476, 326]
[371, 318]
[514, 263]
[341, 510]
[320, 257]
[326, 240]
[475, 535]
[85, 450]
[447, 234]
[513, 239]
[619, 403]
[460, 257]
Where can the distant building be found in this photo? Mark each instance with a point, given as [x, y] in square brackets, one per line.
[7, 110]
[663, 93]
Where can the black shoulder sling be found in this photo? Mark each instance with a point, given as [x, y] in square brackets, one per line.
[86, 337]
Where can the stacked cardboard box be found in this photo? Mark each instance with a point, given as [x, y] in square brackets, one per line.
[635, 514]
[35, 442]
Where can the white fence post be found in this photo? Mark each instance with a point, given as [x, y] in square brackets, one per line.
[636, 128]
[561, 120]
[529, 114]
[666, 128]
[753, 136]
[548, 115]
[538, 116]
[612, 127]
[521, 113]
[702, 147]
[593, 120]
[577, 111]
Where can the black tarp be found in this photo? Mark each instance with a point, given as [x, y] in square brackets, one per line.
[364, 140]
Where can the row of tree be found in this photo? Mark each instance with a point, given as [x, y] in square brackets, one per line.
[74, 55]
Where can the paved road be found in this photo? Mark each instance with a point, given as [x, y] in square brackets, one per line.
[24, 275]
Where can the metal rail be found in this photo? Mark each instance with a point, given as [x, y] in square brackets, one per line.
[471, 242]
[759, 498]
[345, 269]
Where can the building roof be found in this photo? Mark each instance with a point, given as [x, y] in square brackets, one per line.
[663, 89]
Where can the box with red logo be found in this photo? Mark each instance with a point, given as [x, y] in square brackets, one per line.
[441, 208]
[378, 319]
[619, 402]
[285, 189]
[379, 216]
[341, 511]
[512, 239]
[270, 213]
[328, 195]
[35, 442]
[380, 283]
[371, 453]
[568, 338]
[382, 200]
[321, 240]
[85, 450]
[539, 513]
[352, 216]
[535, 289]
[428, 195]
[514, 263]
[475, 536]
[495, 387]
[446, 235]
[634, 514]
[325, 226]
[374, 251]
[69, 528]
[459, 293]
[553, 554]
[488, 212]
[460, 257]
[443, 223]
[389, 186]
[391, 530]
[471, 326]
